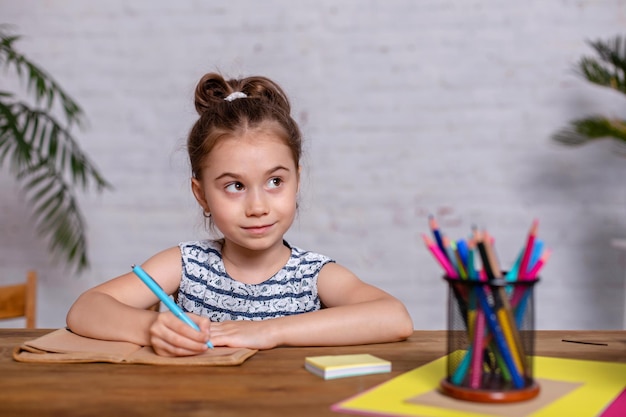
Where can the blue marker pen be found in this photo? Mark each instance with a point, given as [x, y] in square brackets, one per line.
[171, 305]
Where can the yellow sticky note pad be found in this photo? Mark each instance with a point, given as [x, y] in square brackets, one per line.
[340, 366]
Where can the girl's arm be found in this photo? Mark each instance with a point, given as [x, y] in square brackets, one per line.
[355, 313]
[117, 310]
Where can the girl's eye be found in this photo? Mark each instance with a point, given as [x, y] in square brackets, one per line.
[274, 182]
[234, 187]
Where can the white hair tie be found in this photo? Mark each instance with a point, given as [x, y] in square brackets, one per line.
[235, 96]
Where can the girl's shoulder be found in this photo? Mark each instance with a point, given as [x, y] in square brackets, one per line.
[203, 244]
[201, 249]
[301, 256]
[211, 250]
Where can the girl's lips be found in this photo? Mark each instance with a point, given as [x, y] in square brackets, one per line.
[258, 230]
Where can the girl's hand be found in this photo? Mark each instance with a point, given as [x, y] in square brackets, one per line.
[243, 333]
[170, 336]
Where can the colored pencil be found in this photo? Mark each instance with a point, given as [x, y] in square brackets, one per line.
[534, 271]
[520, 292]
[471, 267]
[502, 307]
[459, 374]
[165, 299]
[493, 312]
[440, 257]
[462, 255]
[494, 326]
[477, 345]
[434, 227]
[448, 248]
[537, 252]
[523, 268]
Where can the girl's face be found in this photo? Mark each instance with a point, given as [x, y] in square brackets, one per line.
[249, 185]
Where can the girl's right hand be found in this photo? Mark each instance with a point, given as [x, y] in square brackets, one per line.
[170, 336]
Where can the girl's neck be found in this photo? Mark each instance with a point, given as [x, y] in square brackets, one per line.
[253, 266]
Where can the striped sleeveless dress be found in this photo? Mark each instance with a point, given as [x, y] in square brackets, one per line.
[207, 290]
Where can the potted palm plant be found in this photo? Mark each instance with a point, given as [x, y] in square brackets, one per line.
[39, 149]
[607, 69]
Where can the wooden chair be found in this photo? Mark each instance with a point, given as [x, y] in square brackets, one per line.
[20, 300]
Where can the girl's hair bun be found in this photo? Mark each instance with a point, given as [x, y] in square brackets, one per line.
[213, 89]
[234, 106]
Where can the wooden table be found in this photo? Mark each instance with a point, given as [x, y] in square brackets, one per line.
[270, 383]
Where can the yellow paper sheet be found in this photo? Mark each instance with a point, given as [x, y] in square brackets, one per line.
[601, 383]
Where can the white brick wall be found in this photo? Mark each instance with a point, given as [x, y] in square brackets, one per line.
[408, 108]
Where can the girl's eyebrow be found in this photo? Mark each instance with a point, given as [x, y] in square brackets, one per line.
[277, 168]
[236, 176]
[226, 175]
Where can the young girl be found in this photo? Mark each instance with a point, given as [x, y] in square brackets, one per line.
[250, 288]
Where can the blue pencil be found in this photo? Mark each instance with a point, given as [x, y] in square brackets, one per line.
[171, 305]
[434, 227]
[463, 250]
[498, 335]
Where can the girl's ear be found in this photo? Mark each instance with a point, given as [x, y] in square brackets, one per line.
[198, 192]
[299, 175]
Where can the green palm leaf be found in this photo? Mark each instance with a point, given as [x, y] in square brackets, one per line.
[44, 156]
[610, 69]
[606, 69]
[584, 130]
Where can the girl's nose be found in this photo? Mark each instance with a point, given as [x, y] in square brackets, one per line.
[256, 204]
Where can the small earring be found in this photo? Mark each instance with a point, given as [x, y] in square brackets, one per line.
[206, 214]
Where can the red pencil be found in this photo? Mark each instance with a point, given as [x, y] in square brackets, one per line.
[440, 257]
[532, 274]
[523, 267]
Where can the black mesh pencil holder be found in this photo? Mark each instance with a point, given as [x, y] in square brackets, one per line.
[491, 339]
